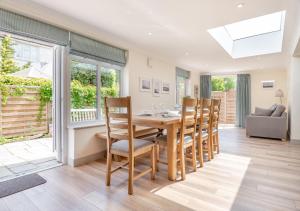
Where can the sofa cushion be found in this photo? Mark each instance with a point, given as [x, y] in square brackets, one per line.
[262, 112]
[273, 107]
[279, 110]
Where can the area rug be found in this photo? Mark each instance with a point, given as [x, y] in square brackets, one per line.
[19, 184]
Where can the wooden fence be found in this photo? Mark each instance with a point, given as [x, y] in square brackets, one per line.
[19, 116]
[228, 106]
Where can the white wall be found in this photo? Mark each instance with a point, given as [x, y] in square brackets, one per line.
[84, 146]
[294, 83]
[294, 98]
[266, 97]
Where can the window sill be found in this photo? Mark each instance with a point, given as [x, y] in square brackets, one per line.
[80, 125]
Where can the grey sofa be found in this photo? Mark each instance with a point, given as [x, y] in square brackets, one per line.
[267, 126]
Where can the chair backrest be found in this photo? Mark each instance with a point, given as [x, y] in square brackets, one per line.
[119, 120]
[204, 109]
[216, 106]
[188, 118]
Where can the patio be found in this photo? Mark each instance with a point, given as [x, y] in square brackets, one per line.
[25, 157]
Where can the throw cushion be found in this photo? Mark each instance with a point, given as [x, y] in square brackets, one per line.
[273, 107]
[279, 110]
[262, 112]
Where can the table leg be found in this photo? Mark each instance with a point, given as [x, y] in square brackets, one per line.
[172, 152]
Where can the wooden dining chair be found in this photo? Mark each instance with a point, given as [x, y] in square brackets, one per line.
[186, 137]
[119, 127]
[203, 130]
[216, 106]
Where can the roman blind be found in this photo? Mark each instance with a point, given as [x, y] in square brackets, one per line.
[182, 73]
[28, 27]
[86, 47]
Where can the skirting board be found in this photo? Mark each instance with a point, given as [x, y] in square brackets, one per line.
[85, 160]
[295, 140]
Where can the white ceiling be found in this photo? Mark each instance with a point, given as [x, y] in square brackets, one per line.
[178, 27]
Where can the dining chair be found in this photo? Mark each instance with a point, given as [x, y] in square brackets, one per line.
[119, 127]
[203, 130]
[186, 137]
[215, 124]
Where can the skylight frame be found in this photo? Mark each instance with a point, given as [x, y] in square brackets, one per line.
[258, 43]
[255, 26]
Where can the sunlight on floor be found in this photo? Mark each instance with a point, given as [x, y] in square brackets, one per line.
[213, 187]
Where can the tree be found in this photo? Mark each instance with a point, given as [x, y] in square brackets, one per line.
[218, 84]
[229, 83]
[223, 83]
[7, 62]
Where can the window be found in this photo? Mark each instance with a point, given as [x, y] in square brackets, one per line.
[180, 89]
[252, 37]
[91, 81]
[224, 88]
[255, 26]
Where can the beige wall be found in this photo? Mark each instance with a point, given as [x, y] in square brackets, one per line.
[195, 80]
[157, 69]
[266, 97]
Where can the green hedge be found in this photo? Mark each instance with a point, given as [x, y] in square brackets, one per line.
[82, 96]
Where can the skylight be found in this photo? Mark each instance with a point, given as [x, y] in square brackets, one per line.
[255, 26]
[256, 36]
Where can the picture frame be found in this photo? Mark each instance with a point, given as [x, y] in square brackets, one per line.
[145, 84]
[196, 91]
[165, 87]
[268, 84]
[156, 87]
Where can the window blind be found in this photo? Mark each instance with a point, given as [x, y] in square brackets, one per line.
[86, 47]
[182, 73]
[79, 45]
[28, 27]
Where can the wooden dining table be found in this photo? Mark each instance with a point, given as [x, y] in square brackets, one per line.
[171, 124]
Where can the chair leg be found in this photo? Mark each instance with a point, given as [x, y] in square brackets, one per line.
[157, 155]
[182, 162]
[130, 176]
[153, 162]
[212, 147]
[209, 156]
[218, 142]
[108, 170]
[200, 152]
[194, 156]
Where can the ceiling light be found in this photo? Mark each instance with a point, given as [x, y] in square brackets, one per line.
[240, 5]
[186, 53]
[149, 33]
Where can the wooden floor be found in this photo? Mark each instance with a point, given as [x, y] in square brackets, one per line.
[248, 174]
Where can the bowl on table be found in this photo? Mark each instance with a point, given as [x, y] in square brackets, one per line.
[173, 113]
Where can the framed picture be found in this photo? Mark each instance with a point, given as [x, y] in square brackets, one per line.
[145, 84]
[156, 87]
[268, 84]
[165, 87]
[196, 91]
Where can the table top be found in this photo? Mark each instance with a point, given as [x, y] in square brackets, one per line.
[155, 120]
